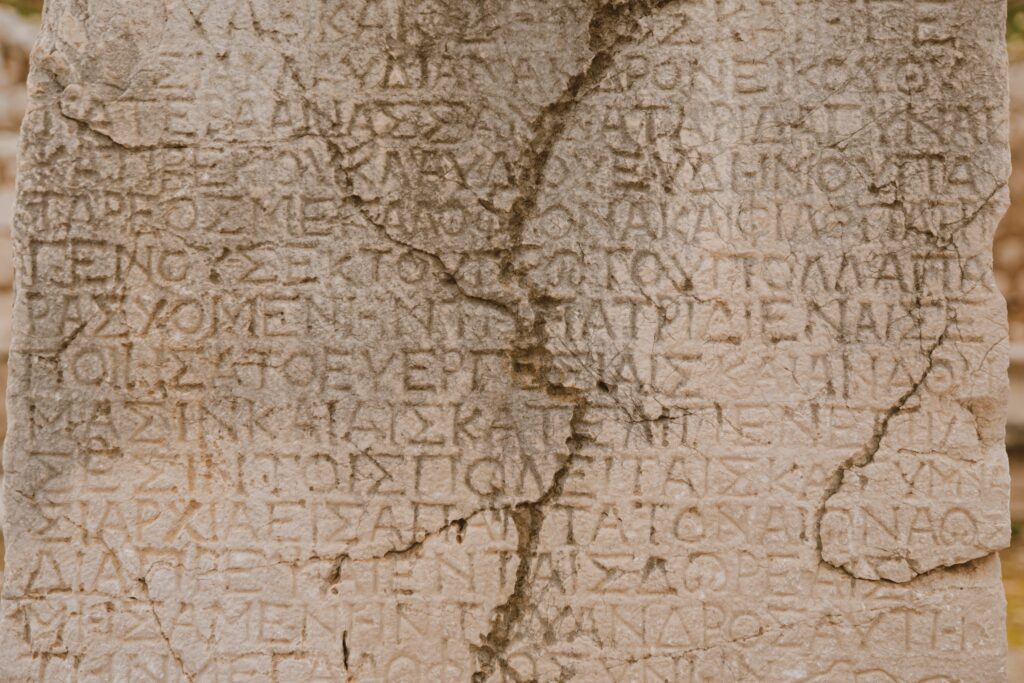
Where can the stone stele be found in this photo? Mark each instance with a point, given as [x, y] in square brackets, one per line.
[396, 341]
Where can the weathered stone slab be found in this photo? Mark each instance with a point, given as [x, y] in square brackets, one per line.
[397, 340]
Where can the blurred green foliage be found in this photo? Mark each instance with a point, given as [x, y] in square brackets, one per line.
[1015, 21]
[25, 6]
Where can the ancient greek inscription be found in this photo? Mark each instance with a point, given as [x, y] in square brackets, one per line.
[509, 340]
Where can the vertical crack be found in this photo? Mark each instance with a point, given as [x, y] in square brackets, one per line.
[614, 25]
[529, 521]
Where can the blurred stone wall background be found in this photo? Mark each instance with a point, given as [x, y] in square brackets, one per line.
[18, 23]
[1008, 256]
[1008, 251]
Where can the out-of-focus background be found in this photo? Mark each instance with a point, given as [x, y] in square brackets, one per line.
[19, 20]
[1008, 254]
[18, 25]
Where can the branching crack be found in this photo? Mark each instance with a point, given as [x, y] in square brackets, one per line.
[867, 453]
[529, 520]
[613, 26]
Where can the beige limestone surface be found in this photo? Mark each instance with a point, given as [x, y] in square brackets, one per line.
[509, 340]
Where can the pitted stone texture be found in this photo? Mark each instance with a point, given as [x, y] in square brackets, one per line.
[593, 340]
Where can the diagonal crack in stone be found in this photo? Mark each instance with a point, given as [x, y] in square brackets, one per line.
[866, 455]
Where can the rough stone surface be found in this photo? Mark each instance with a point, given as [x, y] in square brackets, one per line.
[606, 340]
